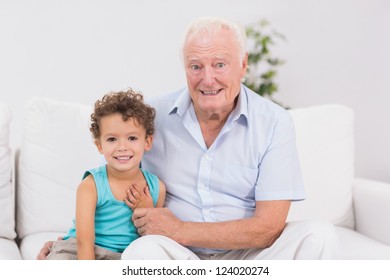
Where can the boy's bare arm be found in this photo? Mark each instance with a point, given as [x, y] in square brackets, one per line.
[86, 198]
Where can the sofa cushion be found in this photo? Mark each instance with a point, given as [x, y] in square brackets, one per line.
[56, 149]
[356, 246]
[9, 250]
[31, 244]
[7, 198]
[326, 149]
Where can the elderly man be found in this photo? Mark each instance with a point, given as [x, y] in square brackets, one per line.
[228, 158]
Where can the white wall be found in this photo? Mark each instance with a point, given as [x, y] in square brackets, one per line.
[336, 51]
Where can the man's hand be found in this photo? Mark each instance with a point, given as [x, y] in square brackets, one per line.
[46, 249]
[158, 221]
[138, 197]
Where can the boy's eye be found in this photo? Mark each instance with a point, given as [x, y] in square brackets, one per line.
[111, 139]
[132, 138]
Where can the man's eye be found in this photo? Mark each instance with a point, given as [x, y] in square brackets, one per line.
[195, 67]
[220, 65]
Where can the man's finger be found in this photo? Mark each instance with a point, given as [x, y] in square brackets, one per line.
[138, 214]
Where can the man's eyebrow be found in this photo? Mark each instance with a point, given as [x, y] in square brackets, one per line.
[218, 56]
[223, 56]
[191, 57]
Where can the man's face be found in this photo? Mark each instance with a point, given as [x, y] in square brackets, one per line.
[214, 67]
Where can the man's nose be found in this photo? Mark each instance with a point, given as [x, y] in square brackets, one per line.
[208, 76]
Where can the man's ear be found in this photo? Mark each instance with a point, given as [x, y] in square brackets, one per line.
[244, 65]
[148, 142]
[98, 146]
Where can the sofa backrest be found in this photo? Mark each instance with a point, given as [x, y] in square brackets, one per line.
[56, 149]
[325, 141]
[7, 194]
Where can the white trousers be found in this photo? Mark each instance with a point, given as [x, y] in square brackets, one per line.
[304, 240]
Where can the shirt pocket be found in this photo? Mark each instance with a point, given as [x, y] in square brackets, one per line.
[239, 183]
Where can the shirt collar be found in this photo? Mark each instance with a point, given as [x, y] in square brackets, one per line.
[241, 108]
[181, 105]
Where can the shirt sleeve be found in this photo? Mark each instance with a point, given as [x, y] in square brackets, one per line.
[280, 175]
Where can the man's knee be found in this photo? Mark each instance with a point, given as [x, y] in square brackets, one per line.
[320, 239]
[142, 248]
[321, 230]
[157, 247]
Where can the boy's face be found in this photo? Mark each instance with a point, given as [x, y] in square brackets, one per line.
[122, 142]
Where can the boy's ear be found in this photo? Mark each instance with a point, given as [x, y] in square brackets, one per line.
[148, 142]
[98, 146]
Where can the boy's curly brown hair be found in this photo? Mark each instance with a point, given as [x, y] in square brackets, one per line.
[129, 104]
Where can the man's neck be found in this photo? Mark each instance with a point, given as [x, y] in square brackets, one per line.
[211, 127]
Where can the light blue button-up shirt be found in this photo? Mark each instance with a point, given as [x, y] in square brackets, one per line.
[254, 158]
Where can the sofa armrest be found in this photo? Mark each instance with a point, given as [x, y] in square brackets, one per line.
[372, 209]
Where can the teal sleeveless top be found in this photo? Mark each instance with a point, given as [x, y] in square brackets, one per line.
[114, 229]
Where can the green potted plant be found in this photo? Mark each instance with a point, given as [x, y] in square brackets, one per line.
[262, 64]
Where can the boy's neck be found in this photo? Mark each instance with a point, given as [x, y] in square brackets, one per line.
[125, 176]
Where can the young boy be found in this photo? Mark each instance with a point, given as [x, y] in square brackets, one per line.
[122, 127]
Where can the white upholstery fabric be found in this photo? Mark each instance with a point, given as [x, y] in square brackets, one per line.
[7, 197]
[9, 250]
[372, 203]
[31, 245]
[56, 150]
[357, 246]
[326, 150]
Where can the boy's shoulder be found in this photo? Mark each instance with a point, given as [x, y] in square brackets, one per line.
[149, 174]
[93, 171]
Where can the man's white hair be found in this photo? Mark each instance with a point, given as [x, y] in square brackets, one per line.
[213, 25]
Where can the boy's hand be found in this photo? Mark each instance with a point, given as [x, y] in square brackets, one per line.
[46, 249]
[138, 197]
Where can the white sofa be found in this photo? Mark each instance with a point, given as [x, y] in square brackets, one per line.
[57, 148]
[8, 246]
